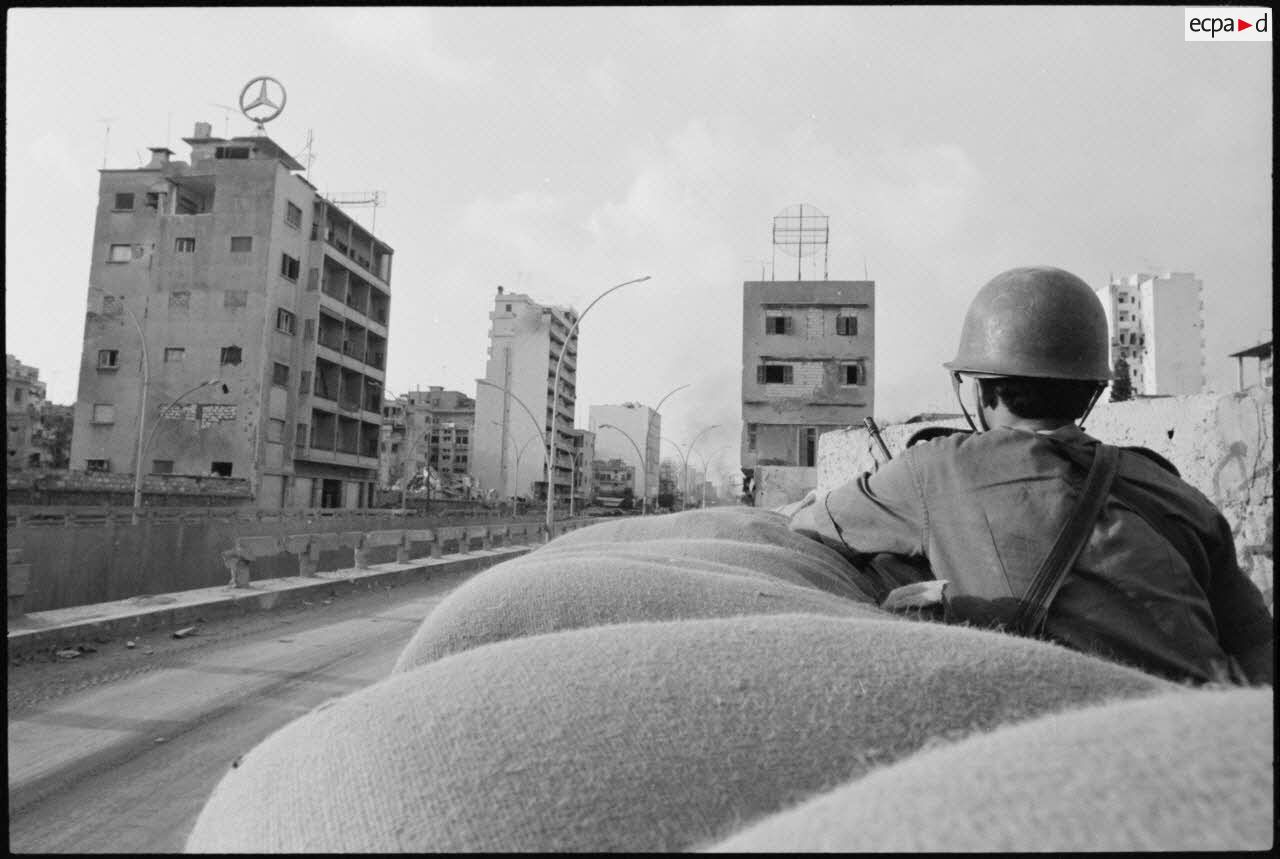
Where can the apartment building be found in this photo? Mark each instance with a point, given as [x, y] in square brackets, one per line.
[1156, 324]
[237, 323]
[516, 407]
[428, 429]
[24, 409]
[612, 482]
[808, 367]
[630, 432]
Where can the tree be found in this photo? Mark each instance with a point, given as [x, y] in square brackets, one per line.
[1121, 387]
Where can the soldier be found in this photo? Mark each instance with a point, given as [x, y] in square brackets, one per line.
[1040, 529]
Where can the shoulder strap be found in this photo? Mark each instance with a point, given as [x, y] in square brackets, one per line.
[1070, 540]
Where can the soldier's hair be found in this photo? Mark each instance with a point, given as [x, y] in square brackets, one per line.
[1039, 398]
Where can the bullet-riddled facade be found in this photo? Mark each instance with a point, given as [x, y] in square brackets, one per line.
[808, 366]
[239, 274]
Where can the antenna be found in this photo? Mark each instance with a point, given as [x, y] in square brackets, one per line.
[801, 232]
[107, 120]
[226, 117]
[360, 198]
[311, 156]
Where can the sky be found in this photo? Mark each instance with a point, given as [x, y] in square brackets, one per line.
[561, 151]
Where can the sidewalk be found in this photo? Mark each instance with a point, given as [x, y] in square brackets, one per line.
[41, 631]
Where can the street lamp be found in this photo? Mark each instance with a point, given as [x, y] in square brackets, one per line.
[519, 454]
[706, 475]
[537, 426]
[144, 444]
[555, 406]
[644, 484]
[683, 464]
[684, 460]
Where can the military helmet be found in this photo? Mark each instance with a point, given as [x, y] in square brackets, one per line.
[1038, 322]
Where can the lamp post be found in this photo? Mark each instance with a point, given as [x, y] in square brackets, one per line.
[144, 444]
[644, 484]
[519, 454]
[706, 475]
[701, 433]
[555, 405]
[537, 426]
[683, 464]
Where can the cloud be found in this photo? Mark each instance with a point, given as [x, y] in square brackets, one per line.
[405, 36]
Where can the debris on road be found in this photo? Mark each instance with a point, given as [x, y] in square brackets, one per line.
[67, 654]
[183, 633]
[131, 644]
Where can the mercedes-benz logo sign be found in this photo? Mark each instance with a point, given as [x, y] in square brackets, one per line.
[263, 107]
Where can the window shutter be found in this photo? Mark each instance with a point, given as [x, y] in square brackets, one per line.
[787, 374]
[789, 325]
[760, 375]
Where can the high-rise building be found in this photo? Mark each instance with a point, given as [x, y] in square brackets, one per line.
[260, 310]
[808, 367]
[1156, 325]
[515, 419]
[635, 442]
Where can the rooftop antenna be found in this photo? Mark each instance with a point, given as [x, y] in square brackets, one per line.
[226, 117]
[311, 156]
[360, 198]
[106, 120]
[801, 231]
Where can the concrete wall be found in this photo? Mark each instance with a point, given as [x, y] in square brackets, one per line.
[777, 485]
[1222, 445]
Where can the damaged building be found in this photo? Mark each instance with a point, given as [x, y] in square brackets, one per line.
[808, 367]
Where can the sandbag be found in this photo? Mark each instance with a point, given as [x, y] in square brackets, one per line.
[633, 736]
[1188, 770]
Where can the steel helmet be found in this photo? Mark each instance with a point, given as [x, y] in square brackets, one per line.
[1038, 322]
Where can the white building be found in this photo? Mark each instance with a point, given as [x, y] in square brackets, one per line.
[507, 447]
[639, 432]
[1156, 324]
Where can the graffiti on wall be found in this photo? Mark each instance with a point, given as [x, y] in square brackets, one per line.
[203, 414]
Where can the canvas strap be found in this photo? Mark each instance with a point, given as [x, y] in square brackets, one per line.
[1069, 542]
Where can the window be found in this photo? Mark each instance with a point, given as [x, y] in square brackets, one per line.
[847, 326]
[304, 385]
[777, 325]
[124, 203]
[241, 244]
[809, 447]
[288, 267]
[300, 435]
[162, 466]
[121, 253]
[174, 354]
[285, 321]
[184, 245]
[508, 308]
[774, 374]
[292, 215]
[97, 465]
[855, 374]
[751, 436]
[280, 374]
[103, 413]
[153, 200]
[231, 152]
[395, 447]
[309, 330]
[1124, 353]
[17, 395]
[108, 359]
[275, 431]
[230, 355]
[220, 469]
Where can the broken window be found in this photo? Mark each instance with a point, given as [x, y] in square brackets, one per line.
[124, 203]
[286, 322]
[774, 374]
[847, 326]
[288, 267]
[97, 465]
[241, 244]
[108, 359]
[184, 245]
[230, 355]
[778, 325]
[855, 374]
[220, 469]
[292, 215]
[121, 253]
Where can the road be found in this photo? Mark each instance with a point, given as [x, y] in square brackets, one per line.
[121, 757]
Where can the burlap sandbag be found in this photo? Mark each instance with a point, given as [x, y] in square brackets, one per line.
[1190, 770]
[638, 736]
[697, 564]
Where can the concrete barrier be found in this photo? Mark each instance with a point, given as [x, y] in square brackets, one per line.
[374, 540]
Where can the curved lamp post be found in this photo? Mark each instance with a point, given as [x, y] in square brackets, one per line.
[700, 434]
[144, 444]
[555, 406]
[706, 476]
[519, 453]
[537, 426]
[644, 483]
[683, 464]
